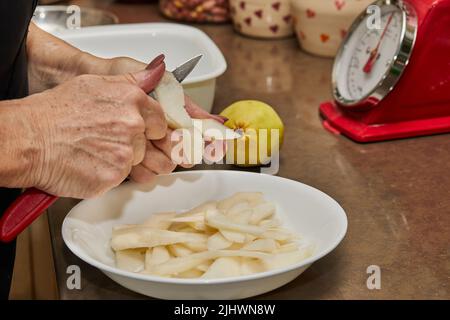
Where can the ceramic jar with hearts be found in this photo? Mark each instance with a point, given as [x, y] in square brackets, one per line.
[262, 18]
[321, 25]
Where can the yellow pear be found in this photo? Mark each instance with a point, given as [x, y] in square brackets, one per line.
[262, 132]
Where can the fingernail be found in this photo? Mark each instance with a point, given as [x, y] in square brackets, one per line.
[148, 79]
[156, 62]
[225, 119]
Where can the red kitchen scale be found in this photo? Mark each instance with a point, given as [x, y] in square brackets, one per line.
[392, 80]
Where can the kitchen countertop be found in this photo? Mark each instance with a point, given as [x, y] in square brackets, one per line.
[396, 194]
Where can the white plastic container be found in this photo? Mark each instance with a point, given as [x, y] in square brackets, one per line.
[146, 40]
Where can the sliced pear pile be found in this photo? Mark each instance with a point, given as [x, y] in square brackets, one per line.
[170, 95]
[236, 236]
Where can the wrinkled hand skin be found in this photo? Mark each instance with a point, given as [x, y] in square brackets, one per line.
[92, 130]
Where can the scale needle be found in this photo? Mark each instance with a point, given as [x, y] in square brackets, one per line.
[374, 53]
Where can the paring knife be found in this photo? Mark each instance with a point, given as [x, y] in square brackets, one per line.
[33, 202]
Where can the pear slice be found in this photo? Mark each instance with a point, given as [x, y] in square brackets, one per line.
[234, 236]
[156, 255]
[147, 237]
[160, 220]
[251, 266]
[178, 250]
[252, 198]
[170, 95]
[223, 267]
[218, 242]
[262, 245]
[130, 260]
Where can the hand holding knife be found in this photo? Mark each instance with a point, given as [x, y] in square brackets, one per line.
[33, 202]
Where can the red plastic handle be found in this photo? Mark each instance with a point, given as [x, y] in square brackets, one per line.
[23, 211]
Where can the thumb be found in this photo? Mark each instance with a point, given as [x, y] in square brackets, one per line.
[149, 78]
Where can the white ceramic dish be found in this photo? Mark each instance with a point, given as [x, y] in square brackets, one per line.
[144, 41]
[314, 215]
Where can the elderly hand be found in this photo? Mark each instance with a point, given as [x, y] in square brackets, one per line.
[81, 121]
[90, 131]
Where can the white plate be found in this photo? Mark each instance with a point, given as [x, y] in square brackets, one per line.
[144, 41]
[314, 215]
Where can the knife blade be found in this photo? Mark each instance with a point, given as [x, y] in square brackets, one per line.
[183, 70]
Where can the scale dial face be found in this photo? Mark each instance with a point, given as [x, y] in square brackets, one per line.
[374, 54]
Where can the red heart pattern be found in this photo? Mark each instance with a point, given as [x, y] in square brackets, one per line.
[302, 35]
[259, 13]
[287, 18]
[339, 4]
[310, 13]
[324, 37]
